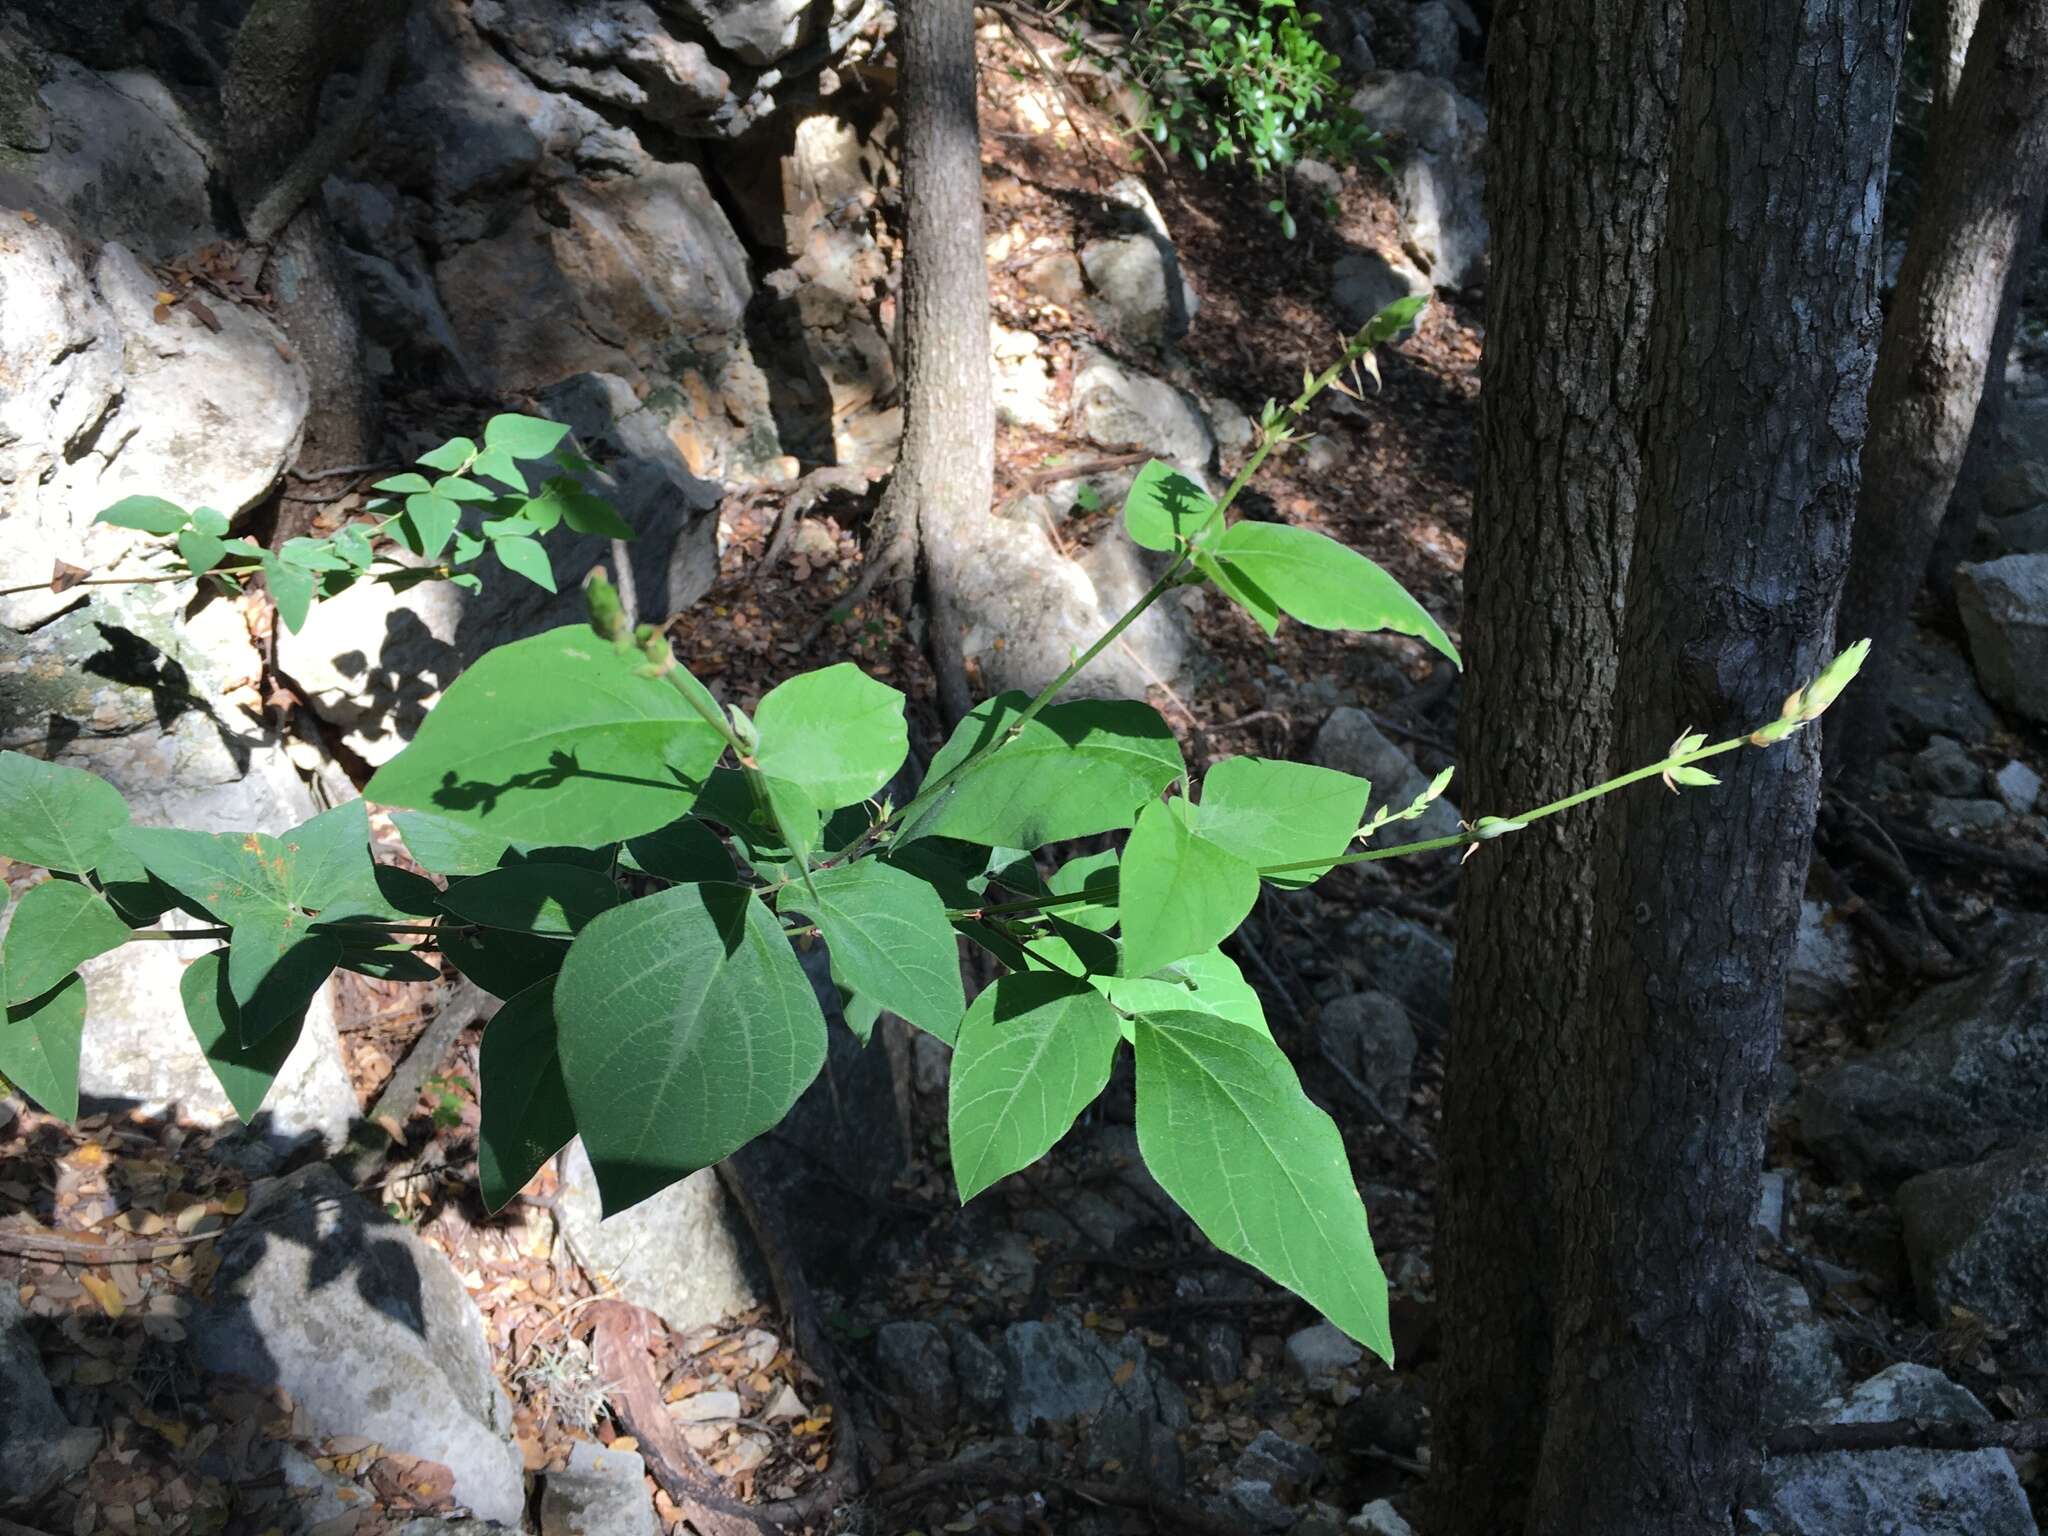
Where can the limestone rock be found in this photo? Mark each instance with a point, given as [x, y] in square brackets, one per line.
[1365, 282]
[1378, 1519]
[2004, 604]
[1117, 407]
[617, 53]
[2020, 485]
[1944, 767]
[1977, 1238]
[1934, 691]
[2017, 786]
[1320, 1350]
[125, 161]
[1369, 1032]
[678, 1254]
[1351, 743]
[368, 1330]
[1803, 1370]
[1438, 138]
[38, 1446]
[917, 1365]
[602, 1492]
[1406, 961]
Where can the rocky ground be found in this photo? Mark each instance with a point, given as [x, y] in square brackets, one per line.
[281, 1329]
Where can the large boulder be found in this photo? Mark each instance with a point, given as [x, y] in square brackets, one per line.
[368, 1330]
[39, 1448]
[1369, 1032]
[1060, 1372]
[1438, 140]
[125, 160]
[1977, 1239]
[1118, 407]
[616, 53]
[1898, 1492]
[2004, 605]
[1961, 1072]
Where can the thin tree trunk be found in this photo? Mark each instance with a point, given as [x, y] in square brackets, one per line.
[945, 469]
[1579, 98]
[1987, 157]
[1762, 354]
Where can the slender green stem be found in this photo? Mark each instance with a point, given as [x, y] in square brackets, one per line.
[171, 934]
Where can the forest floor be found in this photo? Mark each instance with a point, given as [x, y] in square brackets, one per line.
[1391, 476]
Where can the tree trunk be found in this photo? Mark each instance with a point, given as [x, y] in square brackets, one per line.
[945, 469]
[1579, 99]
[1988, 153]
[1761, 357]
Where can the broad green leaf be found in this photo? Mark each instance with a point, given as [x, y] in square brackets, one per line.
[455, 488]
[1225, 1128]
[498, 465]
[836, 733]
[388, 964]
[524, 437]
[798, 821]
[525, 557]
[244, 1072]
[1269, 812]
[1180, 893]
[448, 847]
[685, 851]
[1315, 579]
[291, 588]
[567, 500]
[1078, 769]
[1241, 591]
[148, 514]
[352, 543]
[503, 964]
[686, 1028]
[1095, 876]
[201, 552]
[1206, 983]
[207, 520]
[1034, 1051]
[1164, 506]
[432, 519]
[554, 739]
[551, 899]
[57, 816]
[526, 1113]
[451, 455]
[890, 941]
[407, 484]
[39, 1043]
[312, 555]
[57, 927]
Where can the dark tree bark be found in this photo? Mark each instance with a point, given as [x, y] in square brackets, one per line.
[1986, 161]
[284, 53]
[1580, 101]
[1762, 354]
[945, 469]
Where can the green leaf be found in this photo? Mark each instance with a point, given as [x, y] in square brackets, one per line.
[207, 520]
[455, 488]
[498, 465]
[1164, 507]
[39, 1044]
[554, 739]
[1181, 893]
[1326, 586]
[583, 510]
[797, 820]
[686, 1028]
[1268, 812]
[432, 520]
[525, 557]
[452, 455]
[57, 816]
[57, 927]
[388, 964]
[503, 964]
[526, 1113]
[1034, 1051]
[1078, 769]
[524, 437]
[552, 899]
[1247, 594]
[312, 555]
[443, 846]
[291, 588]
[1225, 1128]
[244, 1072]
[685, 851]
[890, 941]
[201, 552]
[407, 484]
[148, 514]
[835, 733]
[1095, 875]
[1206, 983]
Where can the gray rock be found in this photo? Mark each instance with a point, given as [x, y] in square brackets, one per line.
[1803, 1372]
[1962, 818]
[1902, 1492]
[1370, 1033]
[1437, 138]
[2017, 786]
[1115, 407]
[1378, 1519]
[1944, 767]
[1823, 965]
[38, 1446]
[917, 1366]
[2016, 488]
[758, 31]
[1977, 1238]
[2017, 533]
[1138, 287]
[1271, 1458]
[679, 1254]
[1255, 1503]
[1058, 1372]
[1321, 1350]
[1351, 743]
[602, 1492]
[1436, 39]
[1961, 1072]
[616, 53]
[1387, 1416]
[977, 1370]
[1406, 961]
[1934, 690]
[1366, 282]
[125, 160]
[1770, 1203]
[2004, 605]
[367, 1329]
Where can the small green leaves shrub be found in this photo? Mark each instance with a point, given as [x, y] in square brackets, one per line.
[630, 866]
[476, 500]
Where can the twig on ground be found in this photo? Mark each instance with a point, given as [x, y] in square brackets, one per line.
[2018, 1435]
